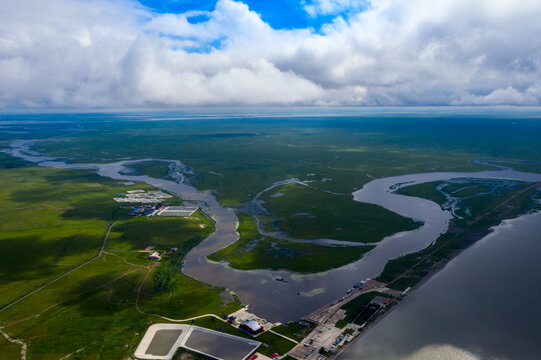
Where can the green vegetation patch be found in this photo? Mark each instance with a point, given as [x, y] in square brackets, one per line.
[295, 331]
[349, 150]
[10, 162]
[170, 293]
[307, 213]
[162, 232]
[471, 197]
[356, 305]
[252, 251]
[100, 324]
[425, 190]
[51, 221]
[248, 233]
[484, 211]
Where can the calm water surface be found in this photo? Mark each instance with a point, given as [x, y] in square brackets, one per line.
[485, 304]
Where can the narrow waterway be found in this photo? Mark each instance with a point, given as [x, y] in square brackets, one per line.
[300, 294]
[483, 305]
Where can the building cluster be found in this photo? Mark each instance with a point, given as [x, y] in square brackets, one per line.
[146, 210]
[161, 210]
[141, 197]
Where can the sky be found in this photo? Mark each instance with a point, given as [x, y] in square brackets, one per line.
[109, 54]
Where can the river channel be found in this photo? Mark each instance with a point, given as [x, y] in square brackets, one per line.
[299, 294]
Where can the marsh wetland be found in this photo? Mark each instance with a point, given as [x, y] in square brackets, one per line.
[371, 198]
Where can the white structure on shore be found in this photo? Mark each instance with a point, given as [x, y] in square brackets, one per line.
[143, 197]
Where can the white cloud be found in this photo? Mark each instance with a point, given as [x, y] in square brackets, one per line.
[332, 7]
[97, 53]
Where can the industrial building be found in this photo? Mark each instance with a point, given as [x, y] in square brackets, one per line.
[182, 211]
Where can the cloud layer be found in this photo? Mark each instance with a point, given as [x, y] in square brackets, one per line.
[98, 53]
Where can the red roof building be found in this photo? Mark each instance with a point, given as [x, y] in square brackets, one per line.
[252, 327]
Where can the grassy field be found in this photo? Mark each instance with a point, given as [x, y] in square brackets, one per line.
[484, 213]
[255, 252]
[295, 331]
[351, 151]
[475, 196]
[162, 232]
[51, 221]
[306, 213]
[55, 220]
[425, 191]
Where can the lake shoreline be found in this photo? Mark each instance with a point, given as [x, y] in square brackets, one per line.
[475, 238]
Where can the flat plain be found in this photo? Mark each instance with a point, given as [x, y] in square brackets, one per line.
[54, 221]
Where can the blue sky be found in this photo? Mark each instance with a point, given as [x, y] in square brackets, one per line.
[149, 53]
[280, 14]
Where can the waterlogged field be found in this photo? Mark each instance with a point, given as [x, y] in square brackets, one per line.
[478, 204]
[254, 251]
[240, 157]
[306, 213]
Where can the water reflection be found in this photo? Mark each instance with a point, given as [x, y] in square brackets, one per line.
[483, 305]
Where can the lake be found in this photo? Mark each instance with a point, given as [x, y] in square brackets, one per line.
[483, 305]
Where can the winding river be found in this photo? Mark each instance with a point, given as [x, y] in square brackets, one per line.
[302, 293]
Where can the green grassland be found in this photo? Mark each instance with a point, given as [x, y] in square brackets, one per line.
[161, 232]
[55, 220]
[51, 221]
[306, 213]
[485, 212]
[475, 196]
[350, 151]
[295, 331]
[255, 252]
[425, 190]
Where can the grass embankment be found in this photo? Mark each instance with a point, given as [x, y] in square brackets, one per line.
[54, 220]
[307, 213]
[356, 305]
[255, 252]
[155, 169]
[485, 211]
